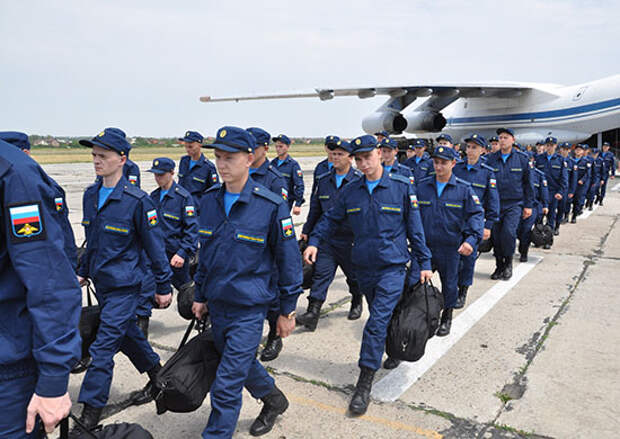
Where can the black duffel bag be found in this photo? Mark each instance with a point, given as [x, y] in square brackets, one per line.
[485, 246]
[308, 269]
[121, 430]
[186, 378]
[542, 234]
[185, 300]
[89, 321]
[193, 264]
[414, 321]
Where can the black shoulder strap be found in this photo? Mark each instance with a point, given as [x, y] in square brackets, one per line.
[188, 331]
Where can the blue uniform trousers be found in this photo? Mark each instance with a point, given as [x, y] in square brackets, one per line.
[16, 389]
[236, 333]
[446, 261]
[180, 276]
[504, 233]
[580, 198]
[603, 188]
[118, 331]
[382, 289]
[524, 232]
[555, 214]
[466, 268]
[328, 259]
[593, 190]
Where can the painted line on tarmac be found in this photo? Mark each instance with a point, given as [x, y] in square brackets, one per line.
[395, 383]
[587, 213]
[394, 425]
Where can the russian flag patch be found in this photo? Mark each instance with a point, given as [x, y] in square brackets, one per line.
[26, 223]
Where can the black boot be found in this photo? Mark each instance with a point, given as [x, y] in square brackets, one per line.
[390, 363]
[274, 404]
[523, 257]
[143, 325]
[82, 365]
[499, 269]
[573, 219]
[590, 205]
[361, 397]
[460, 301]
[272, 348]
[556, 231]
[446, 323]
[89, 419]
[148, 392]
[310, 318]
[355, 312]
[507, 274]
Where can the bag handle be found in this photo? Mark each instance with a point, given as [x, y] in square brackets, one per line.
[188, 331]
[90, 293]
[64, 427]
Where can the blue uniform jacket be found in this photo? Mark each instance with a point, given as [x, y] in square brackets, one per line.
[267, 175]
[323, 198]
[453, 218]
[178, 220]
[610, 163]
[62, 210]
[597, 171]
[40, 299]
[198, 179]
[382, 222]
[513, 178]
[117, 234]
[240, 252]
[294, 178]
[400, 169]
[131, 172]
[422, 168]
[572, 174]
[541, 189]
[556, 171]
[321, 168]
[484, 184]
[584, 171]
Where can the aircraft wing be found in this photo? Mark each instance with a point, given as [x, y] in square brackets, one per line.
[440, 95]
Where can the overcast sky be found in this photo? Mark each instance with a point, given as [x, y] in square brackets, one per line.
[74, 67]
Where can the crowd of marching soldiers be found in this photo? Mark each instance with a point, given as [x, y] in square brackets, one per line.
[386, 224]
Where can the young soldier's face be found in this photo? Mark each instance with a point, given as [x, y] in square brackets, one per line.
[233, 166]
[578, 152]
[368, 162]
[107, 162]
[260, 152]
[444, 142]
[474, 151]
[550, 148]
[281, 148]
[164, 179]
[388, 155]
[410, 153]
[192, 148]
[494, 146]
[340, 159]
[443, 167]
[505, 140]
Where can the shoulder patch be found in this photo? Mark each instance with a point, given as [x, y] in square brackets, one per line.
[135, 191]
[25, 222]
[300, 173]
[398, 177]
[287, 228]
[151, 217]
[267, 194]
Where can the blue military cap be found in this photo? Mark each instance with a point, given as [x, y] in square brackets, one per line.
[447, 137]
[110, 139]
[16, 138]
[233, 139]
[606, 144]
[331, 140]
[162, 165]
[419, 143]
[585, 146]
[579, 145]
[261, 136]
[595, 150]
[363, 143]
[565, 145]
[282, 138]
[342, 144]
[382, 133]
[476, 138]
[551, 139]
[505, 130]
[192, 136]
[443, 152]
[388, 143]
[493, 139]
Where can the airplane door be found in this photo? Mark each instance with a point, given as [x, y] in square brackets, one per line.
[579, 93]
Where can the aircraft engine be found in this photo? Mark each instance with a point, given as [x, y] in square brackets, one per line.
[425, 121]
[392, 122]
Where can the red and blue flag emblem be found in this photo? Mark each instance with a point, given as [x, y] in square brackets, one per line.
[287, 227]
[26, 222]
[151, 217]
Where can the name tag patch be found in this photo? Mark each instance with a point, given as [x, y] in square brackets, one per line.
[116, 229]
[250, 238]
[205, 232]
[354, 210]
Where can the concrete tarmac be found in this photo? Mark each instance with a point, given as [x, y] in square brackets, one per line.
[541, 361]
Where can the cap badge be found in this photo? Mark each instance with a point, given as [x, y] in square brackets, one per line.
[358, 141]
[223, 133]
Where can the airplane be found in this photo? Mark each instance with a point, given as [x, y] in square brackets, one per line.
[571, 113]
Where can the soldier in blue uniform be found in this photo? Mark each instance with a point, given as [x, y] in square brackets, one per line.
[196, 172]
[246, 233]
[121, 223]
[567, 198]
[389, 158]
[584, 173]
[596, 178]
[420, 164]
[493, 144]
[516, 199]
[453, 220]
[381, 136]
[556, 172]
[335, 252]
[40, 301]
[382, 210]
[263, 172]
[21, 141]
[540, 208]
[324, 165]
[484, 185]
[609, 170]
[292, 173]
